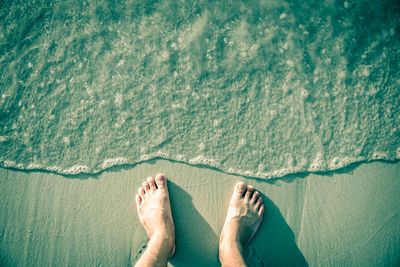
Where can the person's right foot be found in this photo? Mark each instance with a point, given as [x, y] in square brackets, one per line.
[244, 216]
[155, 214]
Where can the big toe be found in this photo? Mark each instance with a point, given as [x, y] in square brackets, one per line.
[239, 190]
[161, 181]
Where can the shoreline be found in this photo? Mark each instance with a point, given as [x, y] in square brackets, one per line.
[127, 166]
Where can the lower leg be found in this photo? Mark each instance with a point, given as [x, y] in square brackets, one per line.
[156, 253]
[231, 253]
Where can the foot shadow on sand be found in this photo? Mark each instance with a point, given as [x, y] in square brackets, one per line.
[274, 243]
[196, 242]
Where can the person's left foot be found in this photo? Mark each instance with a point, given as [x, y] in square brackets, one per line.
[154, 210]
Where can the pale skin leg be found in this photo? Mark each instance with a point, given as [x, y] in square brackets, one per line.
[154, 210]
[244, 216]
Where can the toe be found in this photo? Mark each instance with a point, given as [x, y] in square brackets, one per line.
[151, 183]
[240, 189]
[255, 196]
[249, 192]
[141, 191]
[138, 200]
[258, 203]
[261, 210]
[160, 181]
[146, 186]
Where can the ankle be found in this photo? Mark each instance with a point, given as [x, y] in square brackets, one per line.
[229, 248]
[164, 244]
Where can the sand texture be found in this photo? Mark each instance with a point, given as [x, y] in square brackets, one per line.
[344, 219]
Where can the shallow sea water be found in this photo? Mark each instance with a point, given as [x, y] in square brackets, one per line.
[258, 88]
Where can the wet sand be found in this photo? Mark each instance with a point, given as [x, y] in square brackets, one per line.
[345, 218]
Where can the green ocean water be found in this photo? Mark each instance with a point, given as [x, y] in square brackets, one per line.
[258, 88]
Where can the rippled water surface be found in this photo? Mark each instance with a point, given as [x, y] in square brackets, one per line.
[260, 88]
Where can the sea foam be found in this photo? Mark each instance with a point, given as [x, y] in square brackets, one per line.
[257, 90]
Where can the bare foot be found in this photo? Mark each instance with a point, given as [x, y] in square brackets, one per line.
[155, 214]
[244, 216]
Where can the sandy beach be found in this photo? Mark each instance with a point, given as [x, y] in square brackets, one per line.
[349, 217]
[286, 93]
